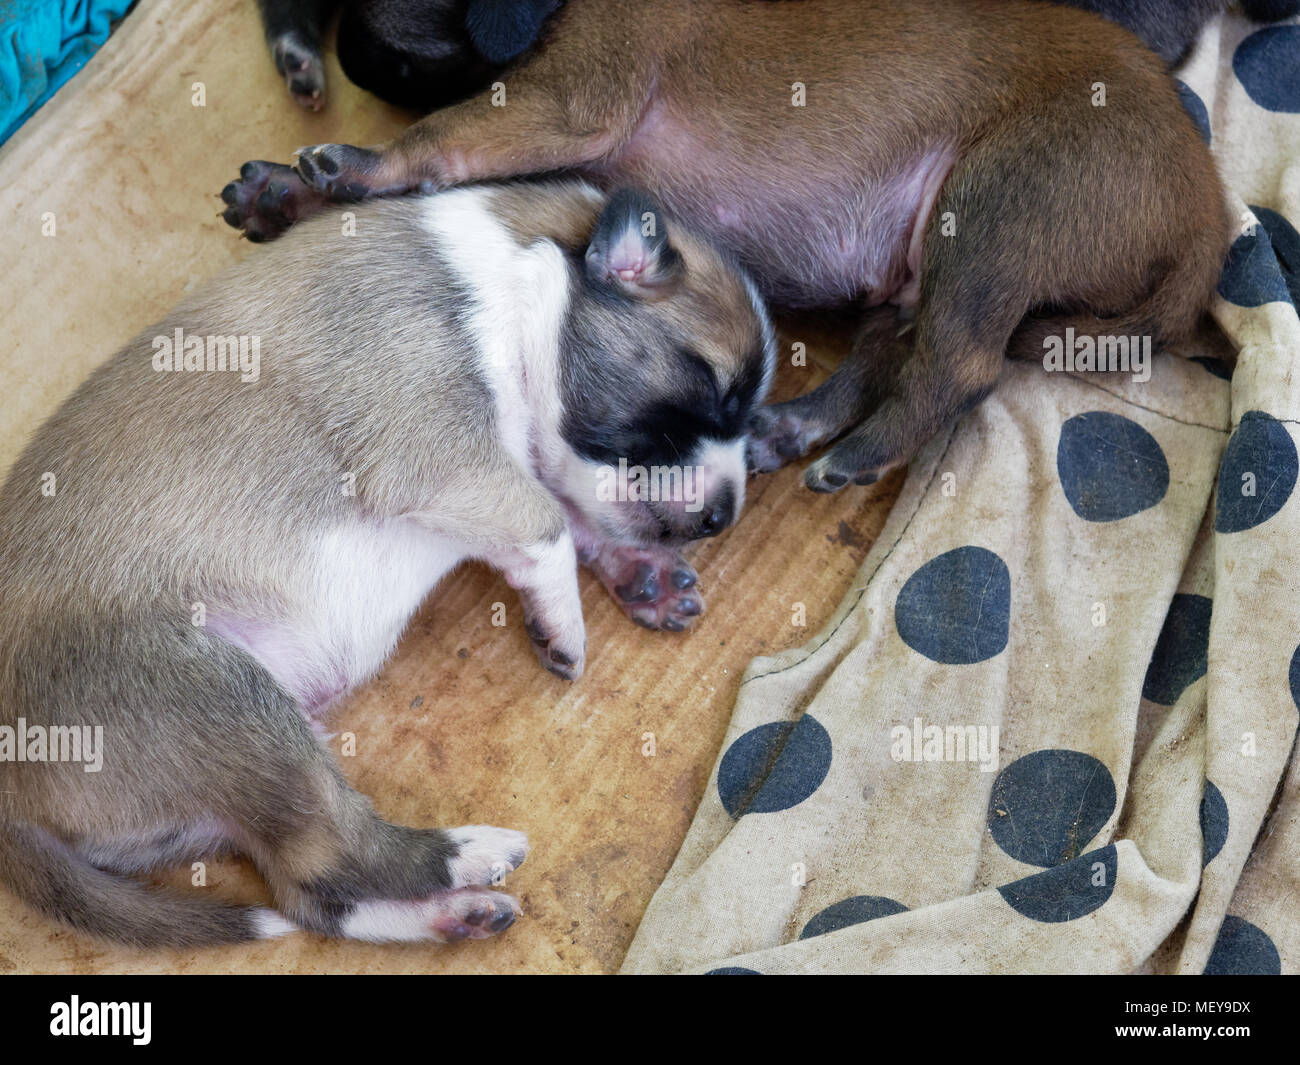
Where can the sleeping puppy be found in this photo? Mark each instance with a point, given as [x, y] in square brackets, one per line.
[229, 524]
[426, 54]
[978, 177]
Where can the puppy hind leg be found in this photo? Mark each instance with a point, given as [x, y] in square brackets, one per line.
[935, 387]
[337, 869]
[245, 755]
[890, 436]
[783, 432]
[974, 293]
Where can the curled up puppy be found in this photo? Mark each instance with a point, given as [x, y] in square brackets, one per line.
[198, 560]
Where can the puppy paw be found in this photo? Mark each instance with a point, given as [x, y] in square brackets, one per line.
[655, 586]
[841, 465]
[564, 655]
[341, 173]
[448, 917]
[267, 199]
[299, 63]
[778, 435]
[471, 914]
[485, 854]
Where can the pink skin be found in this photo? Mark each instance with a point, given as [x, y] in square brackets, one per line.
[281, 651]
[805, 246]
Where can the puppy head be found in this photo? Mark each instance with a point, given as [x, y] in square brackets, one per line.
[667, 351]
[503, 29]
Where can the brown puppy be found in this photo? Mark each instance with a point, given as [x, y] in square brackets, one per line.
[997, 170]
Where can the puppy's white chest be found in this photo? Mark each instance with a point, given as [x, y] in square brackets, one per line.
[371, 579]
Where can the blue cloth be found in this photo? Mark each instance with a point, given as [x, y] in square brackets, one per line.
[42, 44]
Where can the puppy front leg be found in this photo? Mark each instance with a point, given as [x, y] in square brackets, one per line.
[471, 141]
[545, 574]
[575, 101]
[543, 116]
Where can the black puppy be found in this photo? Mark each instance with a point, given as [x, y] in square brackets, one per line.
[418, 54]
[426, 54]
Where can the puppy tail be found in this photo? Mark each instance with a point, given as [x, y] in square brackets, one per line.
[52, 878]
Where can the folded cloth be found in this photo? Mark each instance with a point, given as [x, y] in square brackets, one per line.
[1051, 726]
[42, 44]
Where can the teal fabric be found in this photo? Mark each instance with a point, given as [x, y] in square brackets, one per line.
[42, 44]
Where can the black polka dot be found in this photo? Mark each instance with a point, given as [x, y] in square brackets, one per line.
[1069, 891]
[733, 970]
[1257, 474]
[1243, 950]
[1182, 651]
[849, 912]
[1294, 677]
[1110, 467]
[1267, 63]
[774, 767]
[1047, 806]
[1284, 238]
[1263, 266]
[1195, 107]
[1214, 822]
[956, 609]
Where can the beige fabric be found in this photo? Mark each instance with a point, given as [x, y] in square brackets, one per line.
[1094, 815]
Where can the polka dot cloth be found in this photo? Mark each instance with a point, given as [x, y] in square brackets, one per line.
[1049, 720]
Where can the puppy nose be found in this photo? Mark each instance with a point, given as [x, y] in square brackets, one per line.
[719, 513]
[713, 521]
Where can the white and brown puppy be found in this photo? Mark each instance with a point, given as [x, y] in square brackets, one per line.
[230, 523]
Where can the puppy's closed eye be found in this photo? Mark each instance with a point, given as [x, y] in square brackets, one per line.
[723, 411]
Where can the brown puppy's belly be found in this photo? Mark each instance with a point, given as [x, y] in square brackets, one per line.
[813, 233]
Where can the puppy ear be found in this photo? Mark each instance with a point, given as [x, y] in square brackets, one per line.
[502, 29]
[629, 247]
